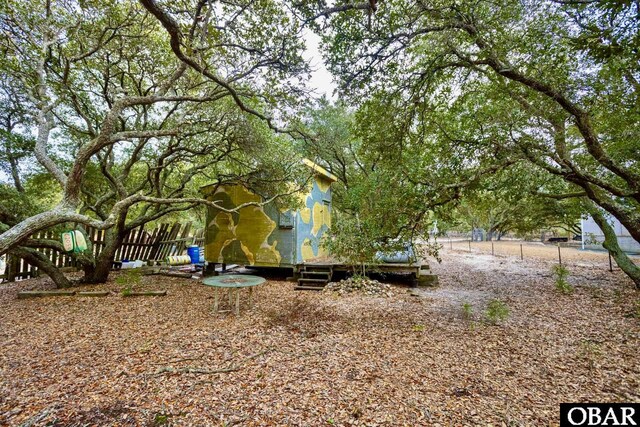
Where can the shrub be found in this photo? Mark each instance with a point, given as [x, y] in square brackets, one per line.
[497, 311]
[561, 273]
[635, 312]
[127, 279]
[467, 310]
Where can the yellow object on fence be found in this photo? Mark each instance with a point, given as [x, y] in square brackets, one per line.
[178, 259]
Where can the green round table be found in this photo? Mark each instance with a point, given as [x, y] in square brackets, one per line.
[232, 282]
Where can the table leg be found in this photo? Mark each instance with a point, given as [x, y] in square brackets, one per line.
[237, 301]
[251, 297]
[215, 301]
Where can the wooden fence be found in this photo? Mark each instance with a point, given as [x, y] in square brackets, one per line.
[138, 244]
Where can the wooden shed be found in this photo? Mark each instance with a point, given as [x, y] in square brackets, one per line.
[265, 236]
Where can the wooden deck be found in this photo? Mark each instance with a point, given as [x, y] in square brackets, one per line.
[388, 267]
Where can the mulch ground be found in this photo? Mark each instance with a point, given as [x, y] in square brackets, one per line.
[314, 359]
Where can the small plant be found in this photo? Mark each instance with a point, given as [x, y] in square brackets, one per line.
[160, 419]
[635, 311]
[497, 311]
[127, 279]
[590, 351]
[418, 328]
[467, 311]
[561, 273]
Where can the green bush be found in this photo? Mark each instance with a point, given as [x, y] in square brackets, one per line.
[561, 273]
[127, 279]
[467, 310]
[497, 311]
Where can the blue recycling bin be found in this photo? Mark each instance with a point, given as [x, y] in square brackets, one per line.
[194, 253]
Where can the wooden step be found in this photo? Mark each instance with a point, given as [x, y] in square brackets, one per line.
[306, 284]
[315, 267]
[307, 280]
[317, 274]
[308, 288]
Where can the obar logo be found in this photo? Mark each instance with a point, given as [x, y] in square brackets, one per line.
[599, 414]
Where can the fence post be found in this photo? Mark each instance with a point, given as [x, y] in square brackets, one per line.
[610, 263]
[450, 244]
[559, 255]
[469, 245]
[492, 253]
[521, 254]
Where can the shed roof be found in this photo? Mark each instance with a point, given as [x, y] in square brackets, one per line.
[320, 170]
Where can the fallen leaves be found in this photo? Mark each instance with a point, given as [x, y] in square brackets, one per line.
[234, 366]
[346, 361]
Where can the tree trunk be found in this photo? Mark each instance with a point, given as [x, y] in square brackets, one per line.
[99, 272]
[40, 260]
[102, 268]
[611, 244]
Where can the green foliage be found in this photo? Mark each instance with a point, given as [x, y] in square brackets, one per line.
[508, 201]
[497, 311]
[635, 311]
[128, 278]
[377, 207]
[124, 121]
[454, 93]
[591, 351]
[561, 273]
[161, 419]
[352, 242]
[467, 311]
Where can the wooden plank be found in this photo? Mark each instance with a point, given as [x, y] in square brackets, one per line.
[181, 245]
[126, 246]
[139, 241]
[155, 251]
[165, 246]
[164, 240]
[150, 239]
[36, 294]
[170, 243]
[145, 294]
[93, 294]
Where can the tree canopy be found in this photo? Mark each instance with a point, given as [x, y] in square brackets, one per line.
[492, 85]
[520, 114]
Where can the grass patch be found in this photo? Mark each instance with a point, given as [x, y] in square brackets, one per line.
[128, 279]
[496, 312]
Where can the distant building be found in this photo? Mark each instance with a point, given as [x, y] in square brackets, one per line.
[592, 235]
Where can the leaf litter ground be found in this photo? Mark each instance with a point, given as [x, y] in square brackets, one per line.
[314, 359]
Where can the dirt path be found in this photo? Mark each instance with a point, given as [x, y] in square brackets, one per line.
[533, 251]
[313, 359]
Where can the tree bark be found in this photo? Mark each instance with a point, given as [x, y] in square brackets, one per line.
[99, 271]
[39, 260]
[611, 244]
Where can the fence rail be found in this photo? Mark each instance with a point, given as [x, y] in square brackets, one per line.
[138, 244]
